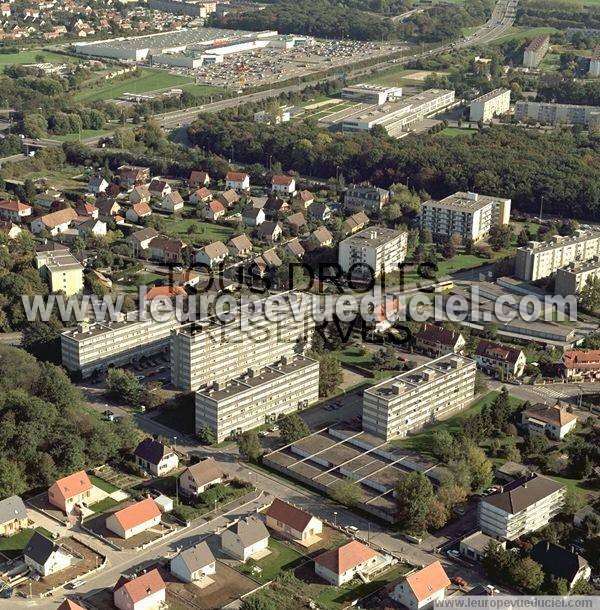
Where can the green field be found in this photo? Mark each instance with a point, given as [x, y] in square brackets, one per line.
[205, 232]
[13, 545]
[109, 488]
[282, 557]
[104, 505]
[201, 89]
[453, 132]
[150, 80]
[394, 77]
[29, 57]
[521, 33]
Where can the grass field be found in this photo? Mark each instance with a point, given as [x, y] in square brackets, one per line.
[521, 33]
[205, 232]
[29, 57]
[201, 89]
[109, 488]
[16, 543]
[150, 80]
[453, 132]
[394, 77]
[282, 557]
[104, 505]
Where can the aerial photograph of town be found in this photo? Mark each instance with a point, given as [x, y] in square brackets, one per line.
[299, 304]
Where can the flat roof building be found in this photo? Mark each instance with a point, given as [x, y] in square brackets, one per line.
[535, 51]
[62, 270]
[557, 114]
[491, 104]
[371, 94]
[419, 397]
[572, 278]
[192, 8]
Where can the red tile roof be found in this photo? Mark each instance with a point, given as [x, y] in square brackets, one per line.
[137, 513]
[70, 605]
[345, 557]
[582, 359]
[438, 334]
[236, 176]
[165, 291]
[14, 205]
[495, 351]
[428, 581]
[73, 485]
[282, 180]
[143, 586]
[141, 209]
[296, 518]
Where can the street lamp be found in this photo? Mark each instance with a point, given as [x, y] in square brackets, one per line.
[335, 517]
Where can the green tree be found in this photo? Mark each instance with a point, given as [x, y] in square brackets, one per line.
[249, 445]
[259, 601]
[589, 297]
[582, 587]
[12, 481]
[346, 492]
[330, 374]
[527, 574]
[292, 428]
[122, 385]
[442, 445]
[480, 468]
[206, 435]
[414, 494]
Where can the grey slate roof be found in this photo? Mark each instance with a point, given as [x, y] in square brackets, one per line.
[557, 561]
[522, 493]
[152, 451]
[197, 557]
[250, 531]
[40, 548]
[12, 508]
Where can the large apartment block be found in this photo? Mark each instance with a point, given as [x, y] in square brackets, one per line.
[377, 248]
[489, 105]
[535, 51]
[572, 278]
[206, 352]
[469, 215]
[541, 259]
[557, 114]
[419, 397]
[524, 506]
[258, 396]
[94, 347]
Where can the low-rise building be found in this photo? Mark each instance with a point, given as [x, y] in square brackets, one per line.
[197, 478]
[341, 565]
[138, 211]
[511, 471]
[238, 181]
[489, 105]
[269, 231]
[500, 361]
[296, 222]
[202, 195]
[355, 223]
[253, 217]
[45, 556]
[70, 492]
[321, 237]
[423, 588]
[167, 250]
[436, 341]
[228, 198]
[198, 179]
[371, 94]
[320, 211]
[373, 251]
[364, 197]
[548, 420]
[212, 254]
[476, 545]
[145, 592]
[97, 184]
[194, 564]
[134, 519]
[172, 202]
[131, 175]
[140, 194]
[294, 248]
[14, 210]
[155, 457]
[579, 365]
[246, 539]
[139, 242]
[62, 271]
[572, 278]
[159, 188]
[213, 210]
[55, 222]
[293, 522]
[524, 506]
[558, 562]
[535, 51]
[13, 516]
[413, 399]
[283, 185]
[240, 246]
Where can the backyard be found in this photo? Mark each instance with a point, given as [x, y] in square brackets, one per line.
[281, 558]
[196, 231]
[12, 546]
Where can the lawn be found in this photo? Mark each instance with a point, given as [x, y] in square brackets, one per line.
[109, 488]
[354, 356]
[104, 505]
[281, 558]
[394, 77]
[29, 57]
[422, 441]
[521, 33]
[202, 89]
[204, 232]
[453, 132]
[150, 80]
[15, 544]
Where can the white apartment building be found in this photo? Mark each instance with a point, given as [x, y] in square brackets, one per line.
[535, 51]
[491, 104]
[205, 352]
[371, 94]
[572, 278]
[541, 259]
[95, 347]
[525, 505]
[469, 215]
[549, 113]
[377, 249]
[594, 70]
[419, 397]
[258, 397]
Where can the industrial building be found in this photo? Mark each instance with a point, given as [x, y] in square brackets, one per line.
[377, 249]
[371, 94]
[257, 397]
[399, 117]
[535, 51]
[558, 114]
[490, 105]
[413, 399]
[541, 259]
[95, 347]
[572, 278]
[469, 215]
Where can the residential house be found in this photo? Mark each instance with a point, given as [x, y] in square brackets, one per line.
[69, 604]
[202, 195]
[13, 516]
[476, 545]
[293, 522]
[580, 365]
[267, 261]
[213, 210]
[198, 179]
[97, 184]
[253, 217]
[44, 556]
[88, 210]
[228, 198]
[155, 457]
[511, 471]
[365, 197]
[134, 519]
[297, 222]
[108, 208]
[553, 421]
[197, 478]
[524, 506]
[166, 292]
[212, 254]
[304, 199]
[113, 190]
[55, 222]
[248, 538]
[355, 223]
[138, 211]
[90, 226]
[172, 202]
[558, 562]
[49, 199]
[159, 188]
[500, 361]
[106, 282]
[167, 250]
[341, 565]
[283, 185]
[423, 588]
[274, 206]
[294, 248]
[140, 194]
[319, 238]
[14, 210]
[240, 246]
[269, 231]
[187, 277]
[195, 563]
[69, 492]
[140, 240]
[145, 592]
[437, 341]
[238, 181]
[319, 211]
[132, 175]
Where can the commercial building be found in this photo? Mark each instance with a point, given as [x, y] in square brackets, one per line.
[365, 198]
[259, 396]
[524, 506]
[469, 215]
[572, 278]
[489, 105]
[192, 8]
[541, 259]
[375, 250]
[95, 346]
[557, 114]
[371, 94]
[594, 70]
[535, 51]
[62, 271]
[207, 352]
[400, 117]
[419, 397]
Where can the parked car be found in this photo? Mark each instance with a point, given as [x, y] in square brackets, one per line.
[452, 553]
[459, 581]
